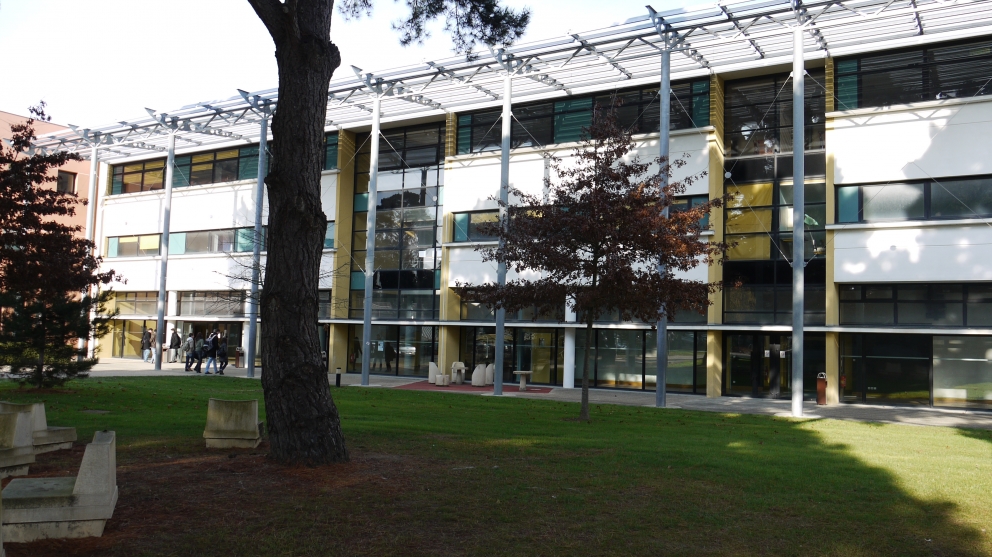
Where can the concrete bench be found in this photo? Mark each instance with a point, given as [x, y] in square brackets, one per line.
[46, 438]
[523, 374]
[68, 507]
[16, 447]
[232, 424]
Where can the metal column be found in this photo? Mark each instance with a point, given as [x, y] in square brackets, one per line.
[665, 97]
[504, 196]
[256, 256]
[798, 219]
[164, 251]
[370, 241]
[87, 343]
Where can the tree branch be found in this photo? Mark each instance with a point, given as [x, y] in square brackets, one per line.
[271, 13]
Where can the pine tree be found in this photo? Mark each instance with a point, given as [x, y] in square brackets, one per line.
[46, 270]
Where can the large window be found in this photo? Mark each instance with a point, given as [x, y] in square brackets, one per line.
[950, 198]
[539, 350]
[538, 124]
[916, 305]
[226, 303]
[66, 182]
[133, 303]
[760, 292]
[934, 72]
[468, 226]
[759, 116]
[211, 167]
[395, 350]
[133, 246]
[230, 240]
[628, 358]
[408, 211]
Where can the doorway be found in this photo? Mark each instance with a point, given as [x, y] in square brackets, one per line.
[759, 365]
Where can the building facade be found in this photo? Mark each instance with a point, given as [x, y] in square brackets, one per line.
[898, 204]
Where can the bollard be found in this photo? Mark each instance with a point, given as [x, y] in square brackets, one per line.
[821, 389]
[337, 377]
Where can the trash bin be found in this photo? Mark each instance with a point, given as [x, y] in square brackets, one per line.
[821, 389]
[237, 357]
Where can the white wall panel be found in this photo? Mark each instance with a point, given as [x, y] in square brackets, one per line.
[944, 139]
[141, 274]
[328, 194]
[125, 217]
[921, 254]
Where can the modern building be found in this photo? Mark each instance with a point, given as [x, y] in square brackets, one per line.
[897, 182]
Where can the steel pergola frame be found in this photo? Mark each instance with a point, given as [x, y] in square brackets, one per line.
[717, 38]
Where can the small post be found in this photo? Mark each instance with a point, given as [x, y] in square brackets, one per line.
[164, 252]
[798, 219]
[256, 250]
[337, 377]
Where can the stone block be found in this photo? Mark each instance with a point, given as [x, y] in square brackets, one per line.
[46, 438]
[67, 507]
[16, 447]
[232, 424]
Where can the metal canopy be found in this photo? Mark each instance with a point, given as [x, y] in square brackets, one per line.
[707, 39]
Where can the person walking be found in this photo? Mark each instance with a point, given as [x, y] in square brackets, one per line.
[146, 346]
[198, 351]
[175, 343]
[210, 352]
[188, 349]
[390, 356]
[222, 354]
[152, 345]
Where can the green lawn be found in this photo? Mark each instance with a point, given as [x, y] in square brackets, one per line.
[448, 474]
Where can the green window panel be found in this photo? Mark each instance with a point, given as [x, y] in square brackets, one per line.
[112, 247]
[331, 151]
[464, 134]
[361, 202]
[847, 204]
[244, 238]
[329, 236]
[571, 117]
[248, 163]
[437, 281]
[700, 103]
[357, 280]
[177, 243]
[461, 227]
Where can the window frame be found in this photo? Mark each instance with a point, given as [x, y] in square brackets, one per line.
[927, 199]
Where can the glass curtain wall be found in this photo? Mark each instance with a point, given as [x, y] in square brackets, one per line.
[759, 210]
[760, 365]
[395, 350]
[538, 349]
[408, 218]
[627, 359]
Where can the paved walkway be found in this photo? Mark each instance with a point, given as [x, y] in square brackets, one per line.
[117, 367]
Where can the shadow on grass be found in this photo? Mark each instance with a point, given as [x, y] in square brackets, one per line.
[442, 474]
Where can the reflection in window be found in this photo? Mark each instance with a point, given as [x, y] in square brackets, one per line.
[915, 305]
[946, 198]
[226, 303]
[133, 246]
[469, 227]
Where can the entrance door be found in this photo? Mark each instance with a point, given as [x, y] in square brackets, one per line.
[759, 365]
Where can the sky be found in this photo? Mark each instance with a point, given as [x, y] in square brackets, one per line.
[95, 62]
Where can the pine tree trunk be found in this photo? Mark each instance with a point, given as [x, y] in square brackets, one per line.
[303, 422]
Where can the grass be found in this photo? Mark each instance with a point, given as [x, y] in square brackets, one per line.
[447, 474]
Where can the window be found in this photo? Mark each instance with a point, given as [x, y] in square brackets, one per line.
[916, 305]
[133, 246]
[760, 292]
[408, 207]
[137, 176]
[959, 198]
[324, 304]
[134, 303]
[759, 116]
[227, 303]
[758, 220]
[230, 240]
[329, 236]
[471, 227]
[929, 73]
[330, 151]
[66, 182]
[682, 204]
[539, 124]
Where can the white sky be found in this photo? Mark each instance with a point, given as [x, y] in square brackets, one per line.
[100, 61]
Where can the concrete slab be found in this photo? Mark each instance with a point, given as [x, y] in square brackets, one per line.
[232, 424]
[45, 437]
[16, 443]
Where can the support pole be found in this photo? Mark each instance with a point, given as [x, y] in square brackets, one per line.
[665, 97]
[87, 343]
[798, 219]
[164, 251]
[370, 241]
[504, 196]
[256, 250]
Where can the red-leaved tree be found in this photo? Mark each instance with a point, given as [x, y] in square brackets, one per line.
[597, 235]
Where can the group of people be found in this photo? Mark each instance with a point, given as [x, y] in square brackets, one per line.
[213, 349]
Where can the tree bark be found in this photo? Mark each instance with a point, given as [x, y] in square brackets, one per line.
[304, 426]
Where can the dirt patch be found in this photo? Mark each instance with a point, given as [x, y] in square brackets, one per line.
[164, 497]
